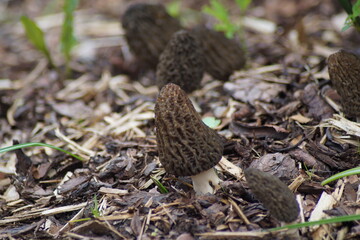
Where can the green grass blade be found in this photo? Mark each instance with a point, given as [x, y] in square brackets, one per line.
[80, 220]
[339, 219]
[161, 187]
[24, 145]
[36, 37]
[95, 209]
[68, 40]
[346, 173]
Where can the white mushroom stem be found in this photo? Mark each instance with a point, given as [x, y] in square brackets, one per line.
[206, 182]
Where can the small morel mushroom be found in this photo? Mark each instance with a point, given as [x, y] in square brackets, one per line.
[182, 62]
[148, 29]
[273, 194]
[344, 71]
[222, 55]
[187, 147]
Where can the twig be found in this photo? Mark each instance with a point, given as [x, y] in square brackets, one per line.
[239, 211]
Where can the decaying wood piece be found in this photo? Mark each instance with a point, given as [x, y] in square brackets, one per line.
[148, 29]
[222, 55]
[182, 62]
[344, 71]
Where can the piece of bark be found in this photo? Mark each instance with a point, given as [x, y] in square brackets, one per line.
[344, 71]
[318, 108]
[333, 159]
[222, 55]
[23, 163]
[182, 62]
[278, 164]
[148, 29]
[311, 162]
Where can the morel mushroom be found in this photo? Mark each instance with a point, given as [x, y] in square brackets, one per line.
[344, 71]
[222, 55]
[148, 29]
[182, 62]
[273, 194]
[187, 147]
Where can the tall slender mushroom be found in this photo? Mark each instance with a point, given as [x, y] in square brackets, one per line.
[187, 147]
[182, 62]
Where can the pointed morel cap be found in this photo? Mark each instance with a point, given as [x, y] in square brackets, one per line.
[186, 145]
[273, 194]
[182, 62]
[344, 71]
[148, 28]
[222, 55]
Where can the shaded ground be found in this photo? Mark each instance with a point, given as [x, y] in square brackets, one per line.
[279, 115]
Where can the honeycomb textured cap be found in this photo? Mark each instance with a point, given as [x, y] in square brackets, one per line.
[222, 55]
[182, 62]
[344, 72]
[273, 194]
[148, 28]
[186, 145]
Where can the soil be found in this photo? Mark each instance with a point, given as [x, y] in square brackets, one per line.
[279, 114]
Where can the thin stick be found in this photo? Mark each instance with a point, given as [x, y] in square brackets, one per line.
[239, 211]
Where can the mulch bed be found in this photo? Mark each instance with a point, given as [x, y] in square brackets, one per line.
[279, 114]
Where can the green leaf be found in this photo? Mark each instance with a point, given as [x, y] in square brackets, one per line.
[24, 145]
[349, 22]
[243, 4]
[346, 26]
[36, 37]
[217, 10]
[68, 40]
[211, 122]
[347, 6]
[347, 218]
[173, 8]
[346, 173]
[220, 13]
[356, 9]
[161, 187]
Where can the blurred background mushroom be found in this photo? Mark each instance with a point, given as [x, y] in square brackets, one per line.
[182, 62]
[148, 29]
[222, 55]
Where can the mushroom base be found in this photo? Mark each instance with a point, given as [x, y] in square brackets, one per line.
[206, 182]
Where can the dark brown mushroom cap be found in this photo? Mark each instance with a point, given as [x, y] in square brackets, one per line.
[182, 62]
[148, 29]
[222, 55]
[186, 145]
[344, 71]
[273, 194]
